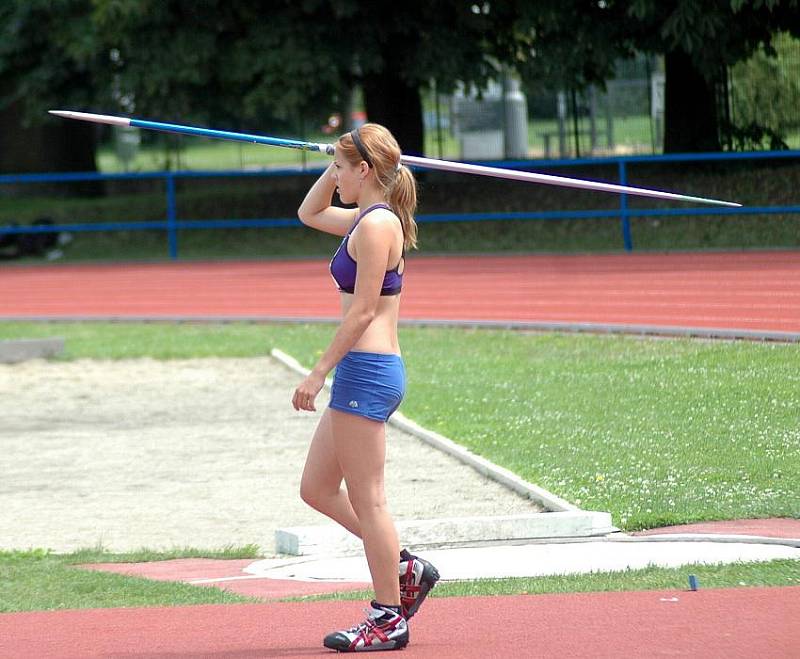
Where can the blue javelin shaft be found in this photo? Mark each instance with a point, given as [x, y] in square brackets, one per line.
[224, 135]
[195, 130]
[411, 161]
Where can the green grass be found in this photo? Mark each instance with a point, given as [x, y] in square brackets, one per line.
[631, 134]
[491, 236]
[734, 575]
[199, 153]
[163, 340]
[37, 580]
[751, 183]
[657, 432]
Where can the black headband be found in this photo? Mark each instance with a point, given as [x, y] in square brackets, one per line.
[360, 146]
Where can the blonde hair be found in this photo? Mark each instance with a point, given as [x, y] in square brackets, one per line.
[382, 154]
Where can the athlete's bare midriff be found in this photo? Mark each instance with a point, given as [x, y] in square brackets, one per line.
[381, 334]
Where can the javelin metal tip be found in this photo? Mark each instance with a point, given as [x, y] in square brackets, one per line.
[95, 118]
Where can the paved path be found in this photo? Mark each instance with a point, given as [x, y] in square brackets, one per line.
[269, 579]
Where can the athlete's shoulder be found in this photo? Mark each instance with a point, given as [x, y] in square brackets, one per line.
[379, 227]
[380, 217]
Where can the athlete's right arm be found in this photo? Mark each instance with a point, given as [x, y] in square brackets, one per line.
[316, 210]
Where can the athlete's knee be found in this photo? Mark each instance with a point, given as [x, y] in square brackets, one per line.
[310, 494]
[367, 503]
[315, 496]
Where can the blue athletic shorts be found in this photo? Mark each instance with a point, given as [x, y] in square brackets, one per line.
[369, 384]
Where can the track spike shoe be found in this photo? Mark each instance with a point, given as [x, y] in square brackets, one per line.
[384, 629]
[417, 577]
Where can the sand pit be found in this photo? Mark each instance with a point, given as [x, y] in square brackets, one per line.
[205, 453]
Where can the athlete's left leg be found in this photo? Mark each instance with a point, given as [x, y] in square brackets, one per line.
[360, 445]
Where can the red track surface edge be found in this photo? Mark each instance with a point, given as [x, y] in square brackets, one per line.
[746, 622]
[737, 290]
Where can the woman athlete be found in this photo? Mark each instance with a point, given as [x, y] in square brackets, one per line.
[350, 441]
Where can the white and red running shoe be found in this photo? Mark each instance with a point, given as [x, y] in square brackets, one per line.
[417, 577]
[384, 629]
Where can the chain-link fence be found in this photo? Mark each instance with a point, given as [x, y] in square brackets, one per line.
[758, 109]
[510, 120]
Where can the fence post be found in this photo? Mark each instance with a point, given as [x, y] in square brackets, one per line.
[625, 220]
[172, 226]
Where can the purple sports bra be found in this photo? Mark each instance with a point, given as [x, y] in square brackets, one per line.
[343, 266]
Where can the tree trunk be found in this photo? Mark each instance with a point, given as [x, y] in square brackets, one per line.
[690, 107]
[55, 146]
[391, 102]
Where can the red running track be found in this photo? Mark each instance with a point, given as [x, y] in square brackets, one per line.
[746, 622]
[734, 290]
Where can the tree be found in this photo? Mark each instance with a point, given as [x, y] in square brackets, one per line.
[699, 40]
[300, 60]
[215, 60]
[765, 96]
[401, 48]
[48, 58]
[244, 64]
[233, 63]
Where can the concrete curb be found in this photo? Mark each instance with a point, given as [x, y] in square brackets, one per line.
[534, 560]
[483, 466]
[706, 537]
[450, 532]
[619, 328]
[563, 520]
[724, 334]
[548, 500]
[20, 350]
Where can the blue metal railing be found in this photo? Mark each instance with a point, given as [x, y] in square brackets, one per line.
[171, 225]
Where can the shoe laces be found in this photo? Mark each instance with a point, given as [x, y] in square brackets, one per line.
[409, 574]
[369, 623]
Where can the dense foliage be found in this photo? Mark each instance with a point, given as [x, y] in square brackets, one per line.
[286, 63]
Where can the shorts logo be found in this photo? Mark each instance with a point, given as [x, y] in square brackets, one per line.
[353, 403]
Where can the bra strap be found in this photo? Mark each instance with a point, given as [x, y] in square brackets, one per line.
[369, 209]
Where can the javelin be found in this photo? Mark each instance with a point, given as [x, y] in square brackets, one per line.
[413, 161]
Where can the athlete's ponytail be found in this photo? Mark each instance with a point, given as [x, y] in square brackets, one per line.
[403, 200]
[377, 146]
